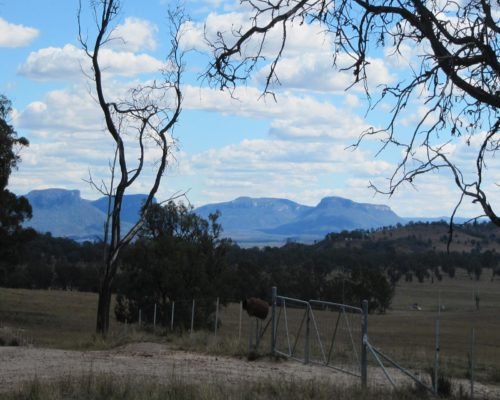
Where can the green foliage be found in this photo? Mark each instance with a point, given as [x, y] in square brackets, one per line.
[179, 256]
[8, 142]
[38, 261]
[13, 210]
[321, 271]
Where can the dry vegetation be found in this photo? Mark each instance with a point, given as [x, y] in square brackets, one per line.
[435, 236]
[65, 320]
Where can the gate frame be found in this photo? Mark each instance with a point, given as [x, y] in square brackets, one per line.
[364, 329]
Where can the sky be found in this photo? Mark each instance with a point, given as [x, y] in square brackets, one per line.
[296, 146]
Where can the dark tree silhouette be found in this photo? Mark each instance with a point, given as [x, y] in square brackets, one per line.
[178, 256]
[458, 73]
[149, 113]
[13, 210]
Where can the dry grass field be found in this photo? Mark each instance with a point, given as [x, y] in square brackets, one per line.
[48, 318]
[65, 320]
[408, 334]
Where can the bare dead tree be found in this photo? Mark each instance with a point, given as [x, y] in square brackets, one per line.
[148, 114]
[458, 73]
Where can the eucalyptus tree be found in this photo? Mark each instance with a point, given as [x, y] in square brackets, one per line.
[179, 256]
[13, 210]
[456, 73]
[148, 113]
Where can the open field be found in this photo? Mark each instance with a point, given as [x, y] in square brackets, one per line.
[411, 334]
[49, 318]
[65, 320]
[136, 370]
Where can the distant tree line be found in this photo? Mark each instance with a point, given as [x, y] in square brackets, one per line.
[40, 261]
[180, 256]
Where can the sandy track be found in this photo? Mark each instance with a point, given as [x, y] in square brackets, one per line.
[20, 364]
[158, 362]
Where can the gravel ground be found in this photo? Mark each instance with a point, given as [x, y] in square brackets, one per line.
[156, 361]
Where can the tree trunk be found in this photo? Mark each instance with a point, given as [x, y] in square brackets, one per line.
[103, 307]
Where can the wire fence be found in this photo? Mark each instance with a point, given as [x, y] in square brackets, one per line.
[447, 329]
[430, 331]
[217, 317]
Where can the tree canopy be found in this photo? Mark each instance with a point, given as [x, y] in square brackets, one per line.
[13, 210]
[179, 256]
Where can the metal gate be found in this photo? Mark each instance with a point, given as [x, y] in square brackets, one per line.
[321, 332]
[328, 334]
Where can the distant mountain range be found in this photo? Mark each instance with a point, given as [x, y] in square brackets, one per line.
[64, 213]
[248, 221]
[264, 221]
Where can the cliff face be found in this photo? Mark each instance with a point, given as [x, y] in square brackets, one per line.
[248, 221]
[64, 213]
[274, 221]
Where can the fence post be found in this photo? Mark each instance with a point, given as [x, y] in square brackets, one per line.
[192, 317]
[472, 366]
[364, 344]
[308, 331]
[273, 320]
[436, 359]
[216, 317]
[140, 317]
[172, 316]
[239, 326]
[257, 330]
[154, 317]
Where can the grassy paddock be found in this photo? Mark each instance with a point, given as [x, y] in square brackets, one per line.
[409, 335]
[127, 388]
[67, 319]
[54, 318]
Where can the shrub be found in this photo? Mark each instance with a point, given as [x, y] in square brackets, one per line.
[444, 383]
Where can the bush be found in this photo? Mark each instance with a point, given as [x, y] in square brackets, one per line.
[444, 383]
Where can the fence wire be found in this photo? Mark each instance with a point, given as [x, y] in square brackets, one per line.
[317, 332]
[328, 334]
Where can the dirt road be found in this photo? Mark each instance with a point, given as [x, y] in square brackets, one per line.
[151, 360]
[20, 364]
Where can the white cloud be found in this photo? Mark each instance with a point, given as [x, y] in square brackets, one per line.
[70, 63]
[128, 64]
[351, 100]
[12, 35]
[61, 111]
[53, 63]
[316, 73]
[134, 35]
[274, 168]
[68, 140]
[301, 38]
[312, 73]
[293, 117]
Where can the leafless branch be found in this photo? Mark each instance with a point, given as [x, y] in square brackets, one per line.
[151, 111]
[457, 78]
